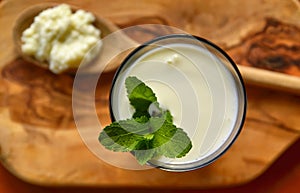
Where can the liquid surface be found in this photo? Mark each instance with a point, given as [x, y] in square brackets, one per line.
[195, 86]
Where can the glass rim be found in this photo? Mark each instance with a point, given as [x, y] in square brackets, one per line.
[180, 167]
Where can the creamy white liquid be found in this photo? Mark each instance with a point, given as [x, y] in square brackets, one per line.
[195, 86]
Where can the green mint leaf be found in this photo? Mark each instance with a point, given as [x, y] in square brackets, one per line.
[134, 126]
[144, 151]
[173, 147]
[140, 96]
[150, 132]
[115, 137]
[131, 83]
[142, 119]
[143, 156]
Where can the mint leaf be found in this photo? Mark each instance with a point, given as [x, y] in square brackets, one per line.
[172, 142]
[150, 132]
[140, 96]
[143, 156]
[142, 119]
[131, 83]
[144, 151]
[135, 126]
[115, 137]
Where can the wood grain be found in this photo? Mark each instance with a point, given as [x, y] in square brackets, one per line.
[37, 97]
[275, 48]
[38, 138]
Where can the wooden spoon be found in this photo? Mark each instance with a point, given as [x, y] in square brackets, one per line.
[26, 18]
[121, 41]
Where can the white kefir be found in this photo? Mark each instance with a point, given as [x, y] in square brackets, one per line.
[200, 92]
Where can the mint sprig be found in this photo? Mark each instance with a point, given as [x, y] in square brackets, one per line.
[150, 132]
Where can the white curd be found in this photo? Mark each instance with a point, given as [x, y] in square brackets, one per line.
[61, 38]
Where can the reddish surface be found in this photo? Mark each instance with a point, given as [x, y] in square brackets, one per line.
[282, 177]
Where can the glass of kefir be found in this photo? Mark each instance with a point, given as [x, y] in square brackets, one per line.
[200, 85]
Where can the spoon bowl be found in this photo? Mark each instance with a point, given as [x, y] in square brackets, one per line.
[26, 18]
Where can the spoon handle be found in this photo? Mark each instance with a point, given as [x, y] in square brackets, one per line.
[268, 79]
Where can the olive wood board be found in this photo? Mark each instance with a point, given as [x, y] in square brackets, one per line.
[39, 141]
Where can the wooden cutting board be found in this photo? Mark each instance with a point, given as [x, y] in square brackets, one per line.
[39, 141]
